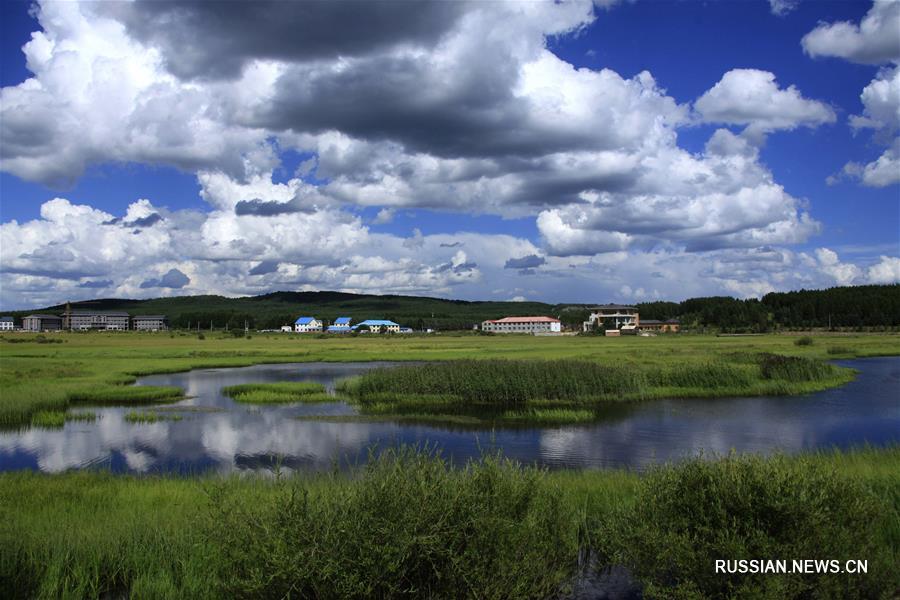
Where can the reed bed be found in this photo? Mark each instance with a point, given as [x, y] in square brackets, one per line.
[499, 382]
[795, 368]
[278, 393]
[136, 394]
[549, 416]
[499, 390]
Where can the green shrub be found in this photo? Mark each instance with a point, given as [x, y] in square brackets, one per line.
[686, 517]
[409, 526]
[803, 341]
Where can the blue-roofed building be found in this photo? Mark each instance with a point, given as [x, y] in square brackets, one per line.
[307, 325]
[378, 325]
[340, 325]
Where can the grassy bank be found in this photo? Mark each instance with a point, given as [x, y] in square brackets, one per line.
[407, 525]
[278, 393]
[569, 390]
[96, 368]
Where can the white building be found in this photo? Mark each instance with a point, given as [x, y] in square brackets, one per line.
[7, 324]
[83, 320]
[340, 325]
[42, 323]
[615, 316]
[307, 325]
[286, 329]
[523, 325]
[150, 323]
[377, 325]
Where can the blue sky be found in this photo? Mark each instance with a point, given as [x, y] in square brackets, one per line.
[626, 151]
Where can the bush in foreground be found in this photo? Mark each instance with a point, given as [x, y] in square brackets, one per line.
[686, 517]
[410, 526]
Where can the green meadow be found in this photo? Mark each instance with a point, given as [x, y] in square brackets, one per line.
[90, 369]
[407, 525]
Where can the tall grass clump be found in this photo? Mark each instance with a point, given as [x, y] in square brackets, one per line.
[685, 517]
[804, 341]
[795, 368]
[839, 350]
[134, 416]
[409, 526]
[56, 418]
[707, 376]
[281, 392]
[135, 394]
[48, 418]
[549, 416]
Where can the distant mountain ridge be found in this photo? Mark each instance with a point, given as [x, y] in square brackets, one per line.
[851, 306]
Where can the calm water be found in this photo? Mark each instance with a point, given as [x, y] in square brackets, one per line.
[229, 437]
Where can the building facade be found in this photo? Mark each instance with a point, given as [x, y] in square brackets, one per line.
[307, 325]
[670, 326]
[7, 324]
[42, 323]
[86, 320]
[613, 316]
[150, 323]
[523, 325]
[378, 326]
[340, 325]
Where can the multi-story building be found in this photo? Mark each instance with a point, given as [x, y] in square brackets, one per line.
[85, 320]
[42, 323]
[307, 325]
[523, 325]
[377, 325]
[150, 323]
[7, 323]
[612, 315]
[669, 326]
[340, 325]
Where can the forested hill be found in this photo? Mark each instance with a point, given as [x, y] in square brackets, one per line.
[270, 311]
[869, 306]
[863, 306]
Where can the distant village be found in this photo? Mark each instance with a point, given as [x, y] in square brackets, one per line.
[608, 319]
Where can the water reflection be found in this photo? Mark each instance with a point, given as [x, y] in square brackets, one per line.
[217, 434]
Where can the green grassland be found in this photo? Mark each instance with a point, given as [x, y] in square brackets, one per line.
[96, 368]
[407, 525]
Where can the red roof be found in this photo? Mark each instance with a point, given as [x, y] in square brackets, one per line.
[525, 320]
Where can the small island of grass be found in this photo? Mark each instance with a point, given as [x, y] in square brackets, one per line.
[278, 393]
[542, 392]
